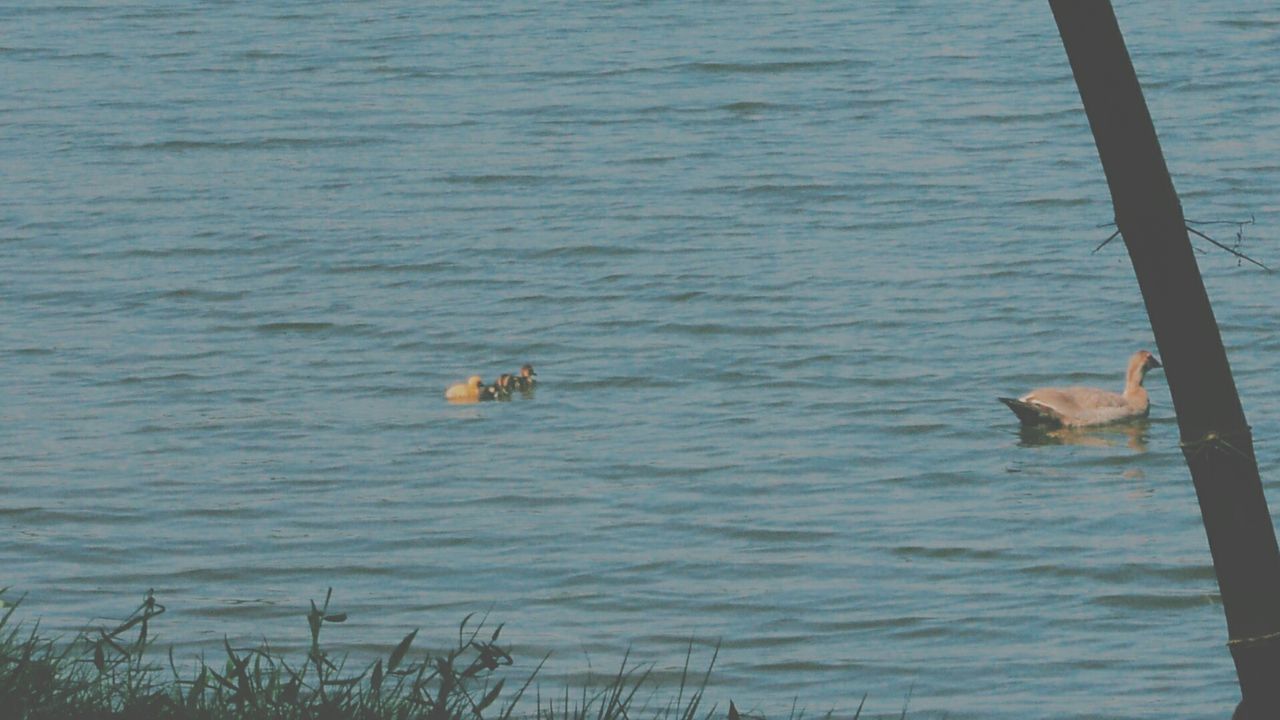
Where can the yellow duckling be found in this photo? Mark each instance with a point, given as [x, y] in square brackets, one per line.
[467, 392]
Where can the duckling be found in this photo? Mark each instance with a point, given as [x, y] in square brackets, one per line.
[506, 383]
[1083, 406]
[527, 378]
[467, 392]
[500, 390]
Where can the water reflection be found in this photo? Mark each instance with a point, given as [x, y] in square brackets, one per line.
[1131, 434]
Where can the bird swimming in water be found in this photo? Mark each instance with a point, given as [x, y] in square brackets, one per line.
[467, 392]
[506, 383]
[474, 389]
[500, 390]
[527, 378]
[1084, 406]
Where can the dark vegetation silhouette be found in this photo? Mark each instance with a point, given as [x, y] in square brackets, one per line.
[1216, 440]
[111, 674]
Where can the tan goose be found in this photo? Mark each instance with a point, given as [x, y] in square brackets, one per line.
[1082, 406]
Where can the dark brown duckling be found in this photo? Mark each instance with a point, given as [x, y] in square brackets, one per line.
[506, 383]
[500, 390]
[527, 379]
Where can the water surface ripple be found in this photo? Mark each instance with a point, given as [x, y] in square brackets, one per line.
[773, 263]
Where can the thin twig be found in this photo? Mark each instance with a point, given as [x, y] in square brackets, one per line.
[1250, 221]
[1238, 254]
[1239, 236]
[1114, 235]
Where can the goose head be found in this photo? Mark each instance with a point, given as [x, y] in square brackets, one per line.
[1141, 362]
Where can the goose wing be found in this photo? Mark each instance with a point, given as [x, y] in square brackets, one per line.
[1082, 405]
[1032, 413]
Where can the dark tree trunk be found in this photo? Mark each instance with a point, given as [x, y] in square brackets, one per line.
[1215, 436]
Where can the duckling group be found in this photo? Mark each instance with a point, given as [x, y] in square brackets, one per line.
[474, 389]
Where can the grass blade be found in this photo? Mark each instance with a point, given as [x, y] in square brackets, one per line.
[398, 654]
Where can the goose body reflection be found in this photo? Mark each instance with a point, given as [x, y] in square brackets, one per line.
[1132, 435]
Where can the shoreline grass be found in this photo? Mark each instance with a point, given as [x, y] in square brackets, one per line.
[110, 673]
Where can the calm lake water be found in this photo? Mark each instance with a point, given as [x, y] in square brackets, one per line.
[773, 263]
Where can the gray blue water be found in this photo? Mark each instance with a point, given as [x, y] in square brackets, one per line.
[773, 263]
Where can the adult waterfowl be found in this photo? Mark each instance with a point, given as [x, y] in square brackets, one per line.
[1084, 406]
[527, 378]
[467, 392]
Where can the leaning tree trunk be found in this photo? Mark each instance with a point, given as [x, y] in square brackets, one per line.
[1216, 440]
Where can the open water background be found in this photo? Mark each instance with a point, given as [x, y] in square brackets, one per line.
[772, 261]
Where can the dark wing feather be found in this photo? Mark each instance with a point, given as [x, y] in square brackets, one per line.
[1030, 413]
